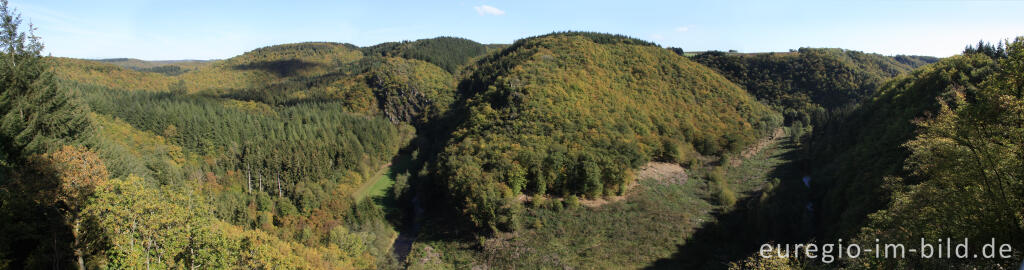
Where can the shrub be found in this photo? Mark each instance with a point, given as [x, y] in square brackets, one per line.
[537, 201]
[572, 202]
[720, 187]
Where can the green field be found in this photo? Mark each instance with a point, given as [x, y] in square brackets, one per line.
[377, 186]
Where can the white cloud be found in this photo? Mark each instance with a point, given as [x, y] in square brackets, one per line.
[488, 10]
[682, 29]
[657, 37]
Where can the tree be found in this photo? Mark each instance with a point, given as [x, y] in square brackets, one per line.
[178, 88]
[78, 173]
[35, 115]
[968, 161]
[142, 227]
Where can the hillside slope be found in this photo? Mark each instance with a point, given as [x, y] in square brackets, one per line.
[851, 155]
[449, 53]
[575, 113]
[808, 82]
[395, 85]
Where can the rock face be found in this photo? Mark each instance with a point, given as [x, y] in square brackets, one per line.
[405, 89]
[402, 104]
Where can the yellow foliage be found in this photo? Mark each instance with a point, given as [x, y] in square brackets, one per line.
[255, 69]
[139, 143]
[79, 173]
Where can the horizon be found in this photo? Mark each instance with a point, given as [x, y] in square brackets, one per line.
[194, 30]
[321, 41]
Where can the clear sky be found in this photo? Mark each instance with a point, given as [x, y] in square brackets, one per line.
[212, 29]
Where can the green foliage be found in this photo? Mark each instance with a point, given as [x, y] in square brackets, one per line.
[721, 188]
[564, 115]
[166, 67]
[397, 85]
[572, 202]
[599, 38]
[632, 233]
[294, 59]
[128, 151]
[314, 141]
[850, 163]
[140, 227]
[807, 83]
[992, 51]
[449, 53]
[967, 161]
[915, 61]
[401, 186]
[287, 171]
[168, 70]
[35, 114]
[269, 68]
[44, 183]
[253, 161]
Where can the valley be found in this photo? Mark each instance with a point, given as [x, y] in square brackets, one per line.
[567, 150]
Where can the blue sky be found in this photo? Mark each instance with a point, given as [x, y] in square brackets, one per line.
[206, 29]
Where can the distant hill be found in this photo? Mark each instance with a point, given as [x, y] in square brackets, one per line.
[449, 53]
[166, 67]
[575, 113]
[808, 82]
[297, 73]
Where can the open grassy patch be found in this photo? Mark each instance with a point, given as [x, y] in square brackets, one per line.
[377, 186]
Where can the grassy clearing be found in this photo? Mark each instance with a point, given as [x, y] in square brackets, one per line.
[378, 186]
[650, 225]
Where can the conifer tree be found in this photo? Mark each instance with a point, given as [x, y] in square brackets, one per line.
[35, 115]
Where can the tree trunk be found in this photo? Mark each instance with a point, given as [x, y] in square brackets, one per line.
[279, 184]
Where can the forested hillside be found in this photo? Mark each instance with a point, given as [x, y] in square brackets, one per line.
[809, 82]
[449, 53]
[852, 162]
[572, 150]
[251, 161]
[941, 143]
[167, 67]
[575, 114]
[965, 164]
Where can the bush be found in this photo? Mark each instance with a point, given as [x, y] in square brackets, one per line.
[555, 205]
[726, 197]
[537, 201]
[723, 193]
[401, 185]
[572, 202]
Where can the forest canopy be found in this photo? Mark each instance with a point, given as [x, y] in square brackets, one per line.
[564, 150]
[575, 114]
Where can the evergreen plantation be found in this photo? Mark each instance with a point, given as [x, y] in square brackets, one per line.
[567, 150]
